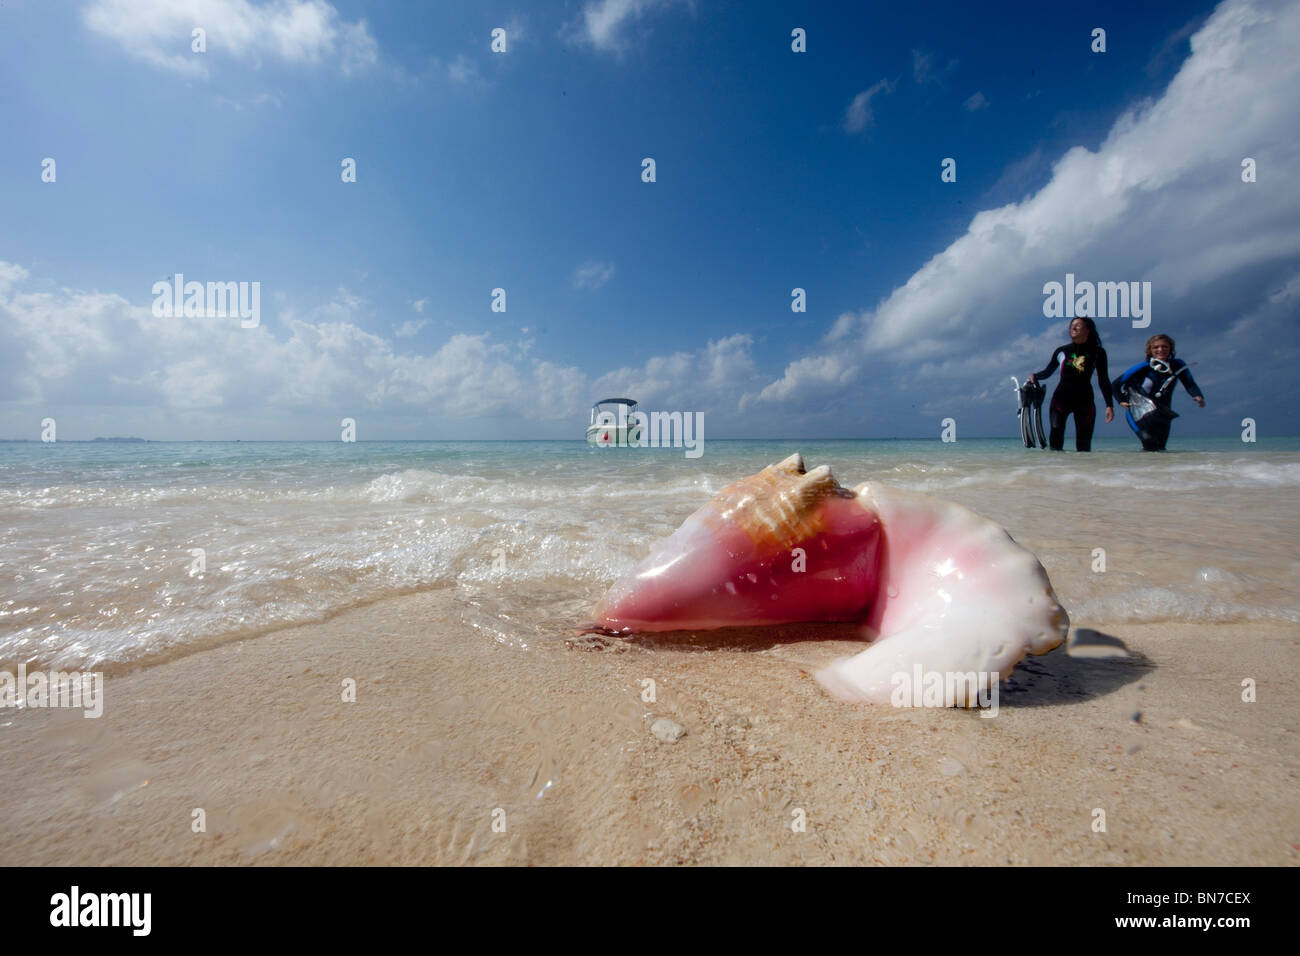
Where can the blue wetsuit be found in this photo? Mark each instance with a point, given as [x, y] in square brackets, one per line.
[1153, 431]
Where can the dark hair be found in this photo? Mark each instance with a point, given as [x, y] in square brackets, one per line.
[1093, 337]
[1156, 338]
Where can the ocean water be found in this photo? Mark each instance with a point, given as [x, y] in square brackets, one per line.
[99, 542]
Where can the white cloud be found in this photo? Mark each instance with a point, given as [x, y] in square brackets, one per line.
[592, 274]
[858, 116]
[977, 101]
[358, 49]
[410, 327]
[712, 378]
[295, 31]
[72, 348]
[728, 363]
[419, 304]
[10, 275]
[94, 348]
[1160, 200]
[825, 372]
[54, 335]
[604, 24]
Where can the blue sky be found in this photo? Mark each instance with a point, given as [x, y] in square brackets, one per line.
[521, 170]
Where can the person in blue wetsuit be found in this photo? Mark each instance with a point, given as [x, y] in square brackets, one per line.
[1149, 386]
[1077, 361]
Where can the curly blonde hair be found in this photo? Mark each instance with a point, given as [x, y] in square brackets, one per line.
[1156, 338]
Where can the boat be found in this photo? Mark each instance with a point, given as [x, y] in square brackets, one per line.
[612, 424]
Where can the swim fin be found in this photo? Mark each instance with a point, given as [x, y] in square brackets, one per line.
[1143, 411]
[1023, 410]
[1040, 391]
[1031, 412]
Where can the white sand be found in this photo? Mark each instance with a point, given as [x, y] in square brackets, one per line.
[449, 726]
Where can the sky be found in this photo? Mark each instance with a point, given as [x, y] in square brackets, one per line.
[523, 169]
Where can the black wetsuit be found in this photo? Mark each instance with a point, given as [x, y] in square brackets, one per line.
[1153, 431]
[1074, 395]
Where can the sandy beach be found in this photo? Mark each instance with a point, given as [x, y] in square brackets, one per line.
[339, 441]
[484, 732]
[448, 728]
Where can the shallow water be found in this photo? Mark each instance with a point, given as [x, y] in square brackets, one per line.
[99, 567]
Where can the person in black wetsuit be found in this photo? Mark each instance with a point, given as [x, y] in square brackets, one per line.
[1155, 378]
[1073, 396]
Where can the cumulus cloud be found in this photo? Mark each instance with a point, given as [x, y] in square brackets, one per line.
[92, 348]
[708, 379]
[73, 348]
[295, 31]
[858, 116]
[592, 274]
[977, 101]
[1161, 199]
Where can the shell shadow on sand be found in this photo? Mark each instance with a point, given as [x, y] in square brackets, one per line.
[1090, 664]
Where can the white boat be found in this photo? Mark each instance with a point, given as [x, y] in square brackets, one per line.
[612, 424]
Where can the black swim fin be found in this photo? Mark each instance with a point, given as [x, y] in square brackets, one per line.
[1031, 413]
[1039, 392]
[1026, 427]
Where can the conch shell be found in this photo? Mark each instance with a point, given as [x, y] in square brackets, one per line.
[932, 583]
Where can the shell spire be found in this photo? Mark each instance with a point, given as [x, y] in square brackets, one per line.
[784, 545]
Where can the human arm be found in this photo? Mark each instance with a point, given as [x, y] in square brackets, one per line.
[1052, 364]
[1133, 373]
[1103, 381]
[1189, 383]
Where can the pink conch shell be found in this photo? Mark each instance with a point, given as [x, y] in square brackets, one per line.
[931, 582]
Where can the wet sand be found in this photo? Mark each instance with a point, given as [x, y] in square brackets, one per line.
[452, 732]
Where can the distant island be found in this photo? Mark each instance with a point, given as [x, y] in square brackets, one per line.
[119, 439]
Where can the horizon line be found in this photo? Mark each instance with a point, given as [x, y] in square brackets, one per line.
[361, 441]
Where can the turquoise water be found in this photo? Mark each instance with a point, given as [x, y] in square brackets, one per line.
[99, 542]
[173, 464]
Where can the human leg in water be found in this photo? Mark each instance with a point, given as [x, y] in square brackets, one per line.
[1085, 418]
[1154, 436]
[1056, 416]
